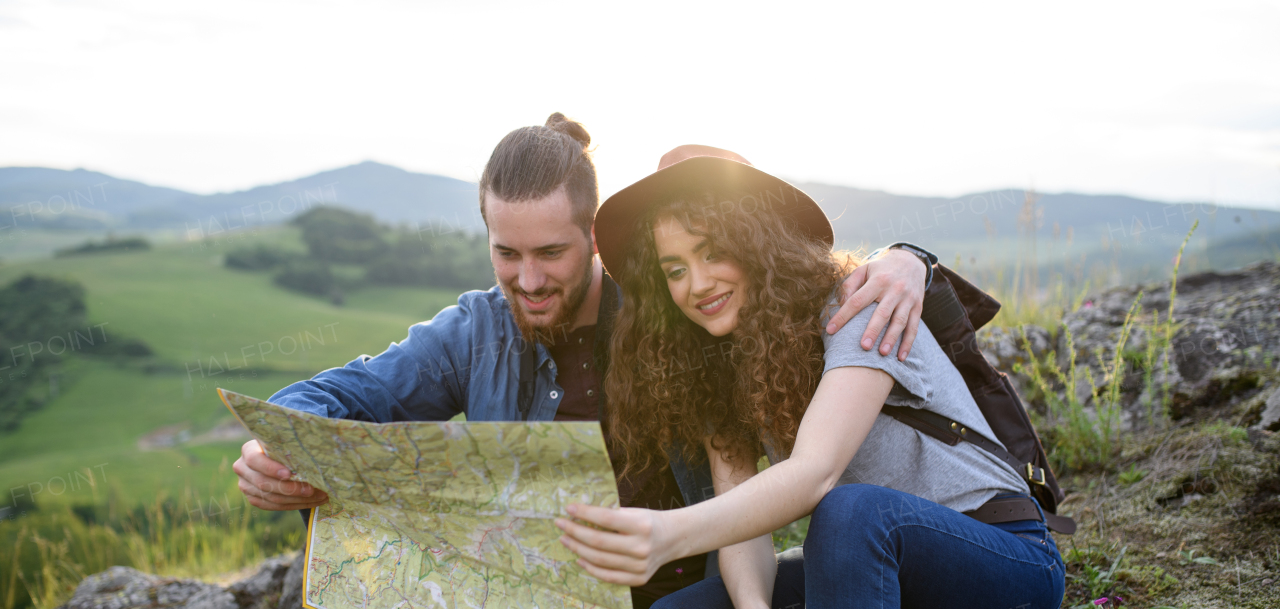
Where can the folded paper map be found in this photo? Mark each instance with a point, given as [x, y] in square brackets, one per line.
[452, 515]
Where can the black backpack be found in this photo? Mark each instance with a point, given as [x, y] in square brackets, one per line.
[954, 309]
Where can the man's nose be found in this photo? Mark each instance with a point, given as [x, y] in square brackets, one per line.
[532, 278]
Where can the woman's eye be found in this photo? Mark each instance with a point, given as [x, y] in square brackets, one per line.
[675, 273]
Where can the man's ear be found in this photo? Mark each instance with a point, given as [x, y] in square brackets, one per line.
[594, 250]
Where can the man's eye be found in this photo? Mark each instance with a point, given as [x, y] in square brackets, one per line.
[554, 254]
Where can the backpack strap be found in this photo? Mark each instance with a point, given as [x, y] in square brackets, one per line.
[952, 433]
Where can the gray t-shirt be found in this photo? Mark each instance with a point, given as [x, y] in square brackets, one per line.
[895, 455]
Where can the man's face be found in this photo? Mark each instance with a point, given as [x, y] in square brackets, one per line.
[542, 261]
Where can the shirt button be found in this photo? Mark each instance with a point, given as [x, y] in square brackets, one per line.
[591, 392]
[555, 394]
[585, 365]
[580, 341]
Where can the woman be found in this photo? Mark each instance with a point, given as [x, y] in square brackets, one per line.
[728, 278]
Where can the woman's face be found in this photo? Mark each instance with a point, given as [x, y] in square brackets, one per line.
[708, 289]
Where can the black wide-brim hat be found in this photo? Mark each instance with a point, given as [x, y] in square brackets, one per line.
[696, 169]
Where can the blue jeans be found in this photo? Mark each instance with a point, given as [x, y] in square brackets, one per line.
[870, 546]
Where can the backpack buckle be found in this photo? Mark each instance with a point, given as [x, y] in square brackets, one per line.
[1032, 470]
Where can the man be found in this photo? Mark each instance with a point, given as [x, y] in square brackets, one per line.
[535, 346]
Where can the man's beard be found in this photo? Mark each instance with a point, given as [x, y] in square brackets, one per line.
[562, 321]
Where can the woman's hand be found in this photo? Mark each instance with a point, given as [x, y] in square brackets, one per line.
[628, 552]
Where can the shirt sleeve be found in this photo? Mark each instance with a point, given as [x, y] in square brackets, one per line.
[420, 378]
[911, 383]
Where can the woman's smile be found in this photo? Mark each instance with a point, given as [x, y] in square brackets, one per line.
[713, 305]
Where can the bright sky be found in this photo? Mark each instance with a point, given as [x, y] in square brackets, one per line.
[1176, 101]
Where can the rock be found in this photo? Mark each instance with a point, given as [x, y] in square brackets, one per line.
[291, 594]
[126, 588]
[1263, 440]
[1224, 346]
[262, 590]
[1004, 347]
[212, 597]
[1270, 420]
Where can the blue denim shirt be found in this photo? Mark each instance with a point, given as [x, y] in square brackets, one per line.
[465, 360]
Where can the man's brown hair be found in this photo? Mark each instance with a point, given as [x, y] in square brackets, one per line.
[532, 162]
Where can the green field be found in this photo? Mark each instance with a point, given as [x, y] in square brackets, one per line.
[209, 327]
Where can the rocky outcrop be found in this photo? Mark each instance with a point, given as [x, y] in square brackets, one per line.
[1227, 336]
[1225, 346]
[1006, 347]
[291, 595]
[127, 588]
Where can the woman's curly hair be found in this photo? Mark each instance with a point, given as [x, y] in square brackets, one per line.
[673, 385]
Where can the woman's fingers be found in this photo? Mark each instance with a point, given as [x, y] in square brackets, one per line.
[608, 560]
[611, 576]
[623, 554]
[628, 545]
[626, 520]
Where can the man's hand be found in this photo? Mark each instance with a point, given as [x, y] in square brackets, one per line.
[266, 484]
[896, 281]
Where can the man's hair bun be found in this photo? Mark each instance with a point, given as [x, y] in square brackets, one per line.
[571, 128]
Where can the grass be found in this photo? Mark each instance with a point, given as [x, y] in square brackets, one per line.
[1187, 532]
[78, 495]
[90, 432]
[1085, 426]
[189, 308]
[156, 509]
[199, 317]
[53, 550]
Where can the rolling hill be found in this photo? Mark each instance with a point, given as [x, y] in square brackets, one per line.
[209, 326]
[51, 208]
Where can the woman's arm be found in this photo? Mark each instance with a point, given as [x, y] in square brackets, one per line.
[749, 567]
[639, 541]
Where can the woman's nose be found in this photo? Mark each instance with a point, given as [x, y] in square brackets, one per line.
[702, 282]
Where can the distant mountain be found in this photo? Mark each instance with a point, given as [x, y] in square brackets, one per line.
[78, 199]
[54, 198]
[871, 217]
[986, 226]
[389, 193]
